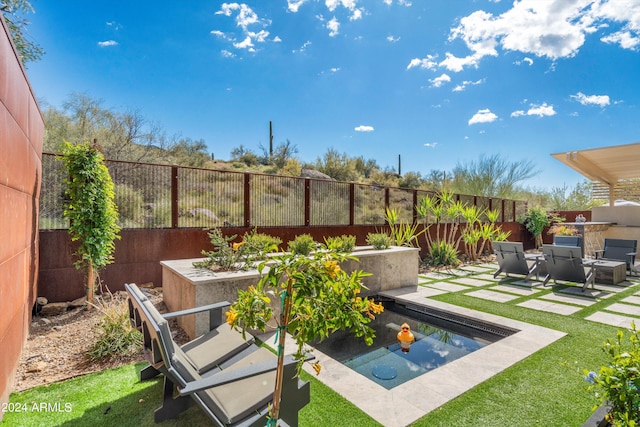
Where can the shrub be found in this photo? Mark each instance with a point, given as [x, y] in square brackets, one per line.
[342, 243]
[229, 256]
[224, 256]
[303, 244]
[443, 254]
[117, 337]
[563, 230]
[259, 244]
[618, 383]
[379, 240]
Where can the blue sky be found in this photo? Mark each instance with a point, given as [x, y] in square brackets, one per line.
[437, 82]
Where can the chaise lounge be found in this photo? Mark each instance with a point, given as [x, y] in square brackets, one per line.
[512, 260]
[229, 377]
[565, 263]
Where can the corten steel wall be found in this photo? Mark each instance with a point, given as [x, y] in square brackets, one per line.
[21, 133]
[139, 252]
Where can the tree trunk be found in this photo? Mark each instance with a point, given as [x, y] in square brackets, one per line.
[91, 282]
[282, 331]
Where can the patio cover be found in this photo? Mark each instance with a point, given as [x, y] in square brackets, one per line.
[608, 165]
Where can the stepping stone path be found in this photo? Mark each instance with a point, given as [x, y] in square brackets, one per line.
[560, 298]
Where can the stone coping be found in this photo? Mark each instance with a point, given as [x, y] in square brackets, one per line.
[431, 390]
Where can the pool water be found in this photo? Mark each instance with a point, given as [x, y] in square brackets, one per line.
[437, 342]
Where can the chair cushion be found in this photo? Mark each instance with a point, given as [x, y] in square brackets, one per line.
[234, 401]
[214, 347]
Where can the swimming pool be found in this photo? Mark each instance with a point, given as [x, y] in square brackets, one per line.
[440, 338]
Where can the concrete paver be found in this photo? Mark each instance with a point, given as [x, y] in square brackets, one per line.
[570, 299]
[632, 300]
[471, 281]
[492, 296]
[550, 307]
[633, 310]
[446, 286]
[612, 319]
[518, 290]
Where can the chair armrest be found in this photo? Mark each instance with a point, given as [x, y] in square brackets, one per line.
[599, 253]
[215, 313]
[236, 375]
[196, 310]
[631, 253]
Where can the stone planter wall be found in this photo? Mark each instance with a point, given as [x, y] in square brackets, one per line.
[185, 286]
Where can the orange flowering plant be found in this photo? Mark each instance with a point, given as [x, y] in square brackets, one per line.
[316, 298]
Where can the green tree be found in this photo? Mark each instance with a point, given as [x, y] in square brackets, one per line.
[245, 155]
[14, 11]
[186, 152]
[577, 198]
[338, 166]
[491, 176]
[316, 298]
[90, 208]
[281, 154]
[411, 180]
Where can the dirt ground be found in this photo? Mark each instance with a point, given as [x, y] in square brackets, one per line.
[57, 347]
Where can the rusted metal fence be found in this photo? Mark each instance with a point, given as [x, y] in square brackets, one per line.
[165, 196]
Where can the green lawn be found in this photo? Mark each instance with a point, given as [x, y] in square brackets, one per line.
[546, 389]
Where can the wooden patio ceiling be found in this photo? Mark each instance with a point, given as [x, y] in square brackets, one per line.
[607, 165]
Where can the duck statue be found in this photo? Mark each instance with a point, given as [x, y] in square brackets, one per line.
[405, 337]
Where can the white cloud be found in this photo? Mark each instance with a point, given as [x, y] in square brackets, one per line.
[227, 54]
[294, 5]
[427, 62]
[439, 81]
[541, 110]
[357, 14]
[400, 2]
[245, 44]
[393, 39]
[525, 60]
[276, 39]
[483, 116]
[334, 69]
[552, 29]
[108, 43]
[464, 84]
[431, 144]
[601, 100]
[245, 18]
[334, 27]
[455, 64]
[303, 48]
[363, 128]
[536, 110]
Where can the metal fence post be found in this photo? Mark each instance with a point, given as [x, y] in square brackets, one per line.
[174, 197]
[247, 199]
[307, 202]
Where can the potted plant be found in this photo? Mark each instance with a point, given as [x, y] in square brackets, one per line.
[616, 385]
[316, 298]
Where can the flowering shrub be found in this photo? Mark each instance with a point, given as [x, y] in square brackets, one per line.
[618, 383]
[316, 298]
[303, 244]
[344, 243]
[229, 256]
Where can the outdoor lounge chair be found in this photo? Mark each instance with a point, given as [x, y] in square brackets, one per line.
[565, 263]
[569, 241]
[234, 391]
[512, 260]
[623, 250]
